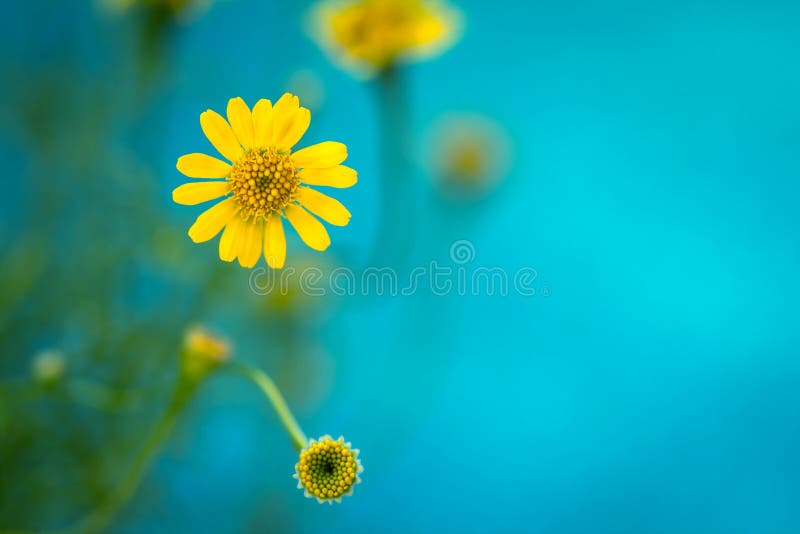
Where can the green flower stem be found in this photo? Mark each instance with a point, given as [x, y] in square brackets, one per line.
[263, 381]
[101, 517]
[398, 189]
[187, 385]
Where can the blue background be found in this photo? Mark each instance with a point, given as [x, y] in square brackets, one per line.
[654, 189]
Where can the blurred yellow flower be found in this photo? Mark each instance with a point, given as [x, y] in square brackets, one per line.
[368, 36]
[202, 352]
[468, 154]
[328, 469]
[265, 182]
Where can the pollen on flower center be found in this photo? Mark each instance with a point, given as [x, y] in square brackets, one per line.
[263, 181]
[328, 469]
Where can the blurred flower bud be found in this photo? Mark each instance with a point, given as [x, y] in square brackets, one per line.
[48, 367]
[468, 155]
[296, 291]
[202, 352]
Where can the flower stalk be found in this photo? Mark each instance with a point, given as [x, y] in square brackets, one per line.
[399, 195]
[273, 394]
[100, 518]
[327, 469]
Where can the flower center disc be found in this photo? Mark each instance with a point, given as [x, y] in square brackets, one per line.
[263, 182]
[327, 469]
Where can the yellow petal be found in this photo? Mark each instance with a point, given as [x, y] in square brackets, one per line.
[262, 123]
[275, 242]
[339, 176]
[308, 227]
[241, 121]
[250, 244]
[293, 130]
[202, 166]
[283, 115]
[320, 156]
[326, 208]
[229, 242]
[211, 221]
[220, 134]
[198, 192]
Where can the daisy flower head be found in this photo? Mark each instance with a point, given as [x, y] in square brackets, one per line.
[328, 469]
[263, 182]
[368, 36]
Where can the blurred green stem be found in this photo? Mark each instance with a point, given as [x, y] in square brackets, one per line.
[184, 391]
[101, 517]
[399, 198]
[273, 394]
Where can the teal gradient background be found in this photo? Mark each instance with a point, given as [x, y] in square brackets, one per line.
[651, 385]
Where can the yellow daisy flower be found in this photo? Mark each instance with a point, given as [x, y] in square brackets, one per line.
[371, 35]
[265, 181]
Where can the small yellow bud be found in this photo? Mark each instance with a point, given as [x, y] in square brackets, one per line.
[202, 352]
